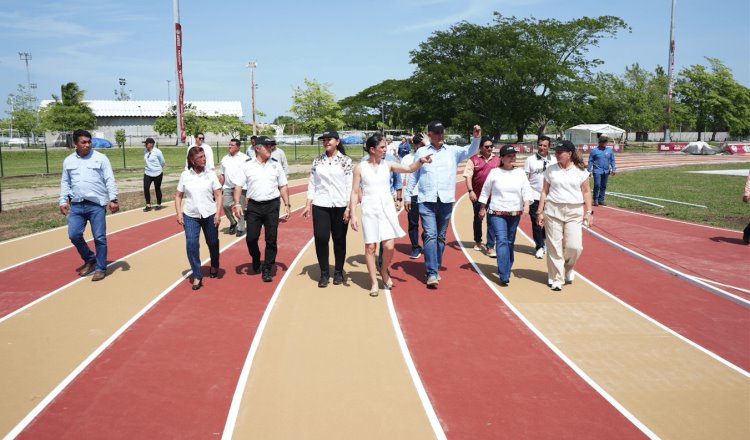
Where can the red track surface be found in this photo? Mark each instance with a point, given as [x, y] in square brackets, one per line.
[173, 373]
[710, 253]
[488, 376]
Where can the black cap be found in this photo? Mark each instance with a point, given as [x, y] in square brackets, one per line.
[507, 149]
[435, 127]
[329, 134]
[149, 141]
[565, 146]
[266, 140]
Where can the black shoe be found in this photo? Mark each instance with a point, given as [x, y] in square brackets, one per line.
[746, 237]
[267, 278]
[338, 277]
[602, 204]
[323, 281]
[240, 233]
[504, 282]
[198, 286]
[232, 229]
[147, 208]
[256, 266]
[158, 207]
[213, 273]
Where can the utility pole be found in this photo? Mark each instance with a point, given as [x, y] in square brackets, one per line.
[180, 83]
[26, 56]
[169, 93]
[670, 78]
[252, 65]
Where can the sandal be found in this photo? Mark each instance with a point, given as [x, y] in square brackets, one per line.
[374, 293]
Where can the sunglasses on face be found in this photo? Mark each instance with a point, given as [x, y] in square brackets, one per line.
[200, 138]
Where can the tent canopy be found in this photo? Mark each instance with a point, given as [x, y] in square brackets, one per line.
[588, 133]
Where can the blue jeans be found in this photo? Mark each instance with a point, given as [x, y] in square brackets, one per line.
[78, 215]
[505, 227]
[478, 227]
[193, 226]
[435, 217]
[600, 186]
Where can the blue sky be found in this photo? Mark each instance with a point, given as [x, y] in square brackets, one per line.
[347, 44]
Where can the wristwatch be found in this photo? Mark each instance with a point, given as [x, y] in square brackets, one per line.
[399, 200]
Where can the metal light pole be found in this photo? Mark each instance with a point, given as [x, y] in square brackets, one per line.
[670, 78]
[26, 56]
[252, 65]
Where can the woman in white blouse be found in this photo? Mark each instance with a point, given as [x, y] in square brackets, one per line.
[328, 192]
[509, 193]
[198, 206]
[564, 207]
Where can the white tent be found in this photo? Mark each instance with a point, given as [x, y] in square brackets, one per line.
[699, 147]
[589, 133]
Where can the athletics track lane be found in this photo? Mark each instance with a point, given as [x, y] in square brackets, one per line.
[28, 282]
[487, 375]
[172, 374]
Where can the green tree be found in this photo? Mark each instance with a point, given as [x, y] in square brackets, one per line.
[289, 123]
[23, 112]
[228, 125]
[194, 120]
[120, 138]
[507, 75]
[68, 112]
[386, 104]
[316, 108]
[716, 100]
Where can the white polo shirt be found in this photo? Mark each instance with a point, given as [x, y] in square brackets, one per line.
[535, 167]
[263, 180]
[565, 184]
[232, 165]
[198, 189]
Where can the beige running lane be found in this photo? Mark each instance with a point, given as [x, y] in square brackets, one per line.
[673, 388]
[42, 345]
[328, 365]
[24, 248]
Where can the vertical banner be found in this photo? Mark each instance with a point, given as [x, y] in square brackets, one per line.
[180, 83]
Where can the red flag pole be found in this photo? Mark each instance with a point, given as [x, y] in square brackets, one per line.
[180, 83]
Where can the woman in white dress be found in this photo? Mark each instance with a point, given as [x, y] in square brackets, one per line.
[379, 217]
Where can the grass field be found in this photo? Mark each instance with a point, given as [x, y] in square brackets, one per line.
[721, 194]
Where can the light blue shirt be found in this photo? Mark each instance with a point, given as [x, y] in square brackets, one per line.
[396, 183]
[87, 178]
[154, 162]
[601, 161]
[438, 179]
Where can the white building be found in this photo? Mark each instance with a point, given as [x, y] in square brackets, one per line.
[137, 119]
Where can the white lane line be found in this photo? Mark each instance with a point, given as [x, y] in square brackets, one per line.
[609, 398]
[71, 246]
[86, 362]
[739, 289]
[672, 220]
[437, 429]
[234, 409]
[689, 278]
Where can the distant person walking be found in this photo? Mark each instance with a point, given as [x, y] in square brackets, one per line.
[535, 167]
[231, 164]
[564, 208]
[436, 185]
[412, 206]
[328, 191]
[404, 148]
[207, 150]
[477, 168]
[198, 207]
[379, 216]
[601, 164]
[504, 198]
[266, 188]
[153, 173]
[87, 187]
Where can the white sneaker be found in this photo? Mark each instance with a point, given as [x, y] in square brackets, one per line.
[478, 247]
[556, 286]
[570, 276]
[491, 253]
[539, 253]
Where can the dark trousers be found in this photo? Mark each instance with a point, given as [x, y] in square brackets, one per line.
[266, 215]
[477, 224]
[600, 186]
[147, 187]
[193, 227]
[413, 217]
[536, 230]
[329, 223]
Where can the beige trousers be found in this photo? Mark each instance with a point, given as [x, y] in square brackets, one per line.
[563, 225]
